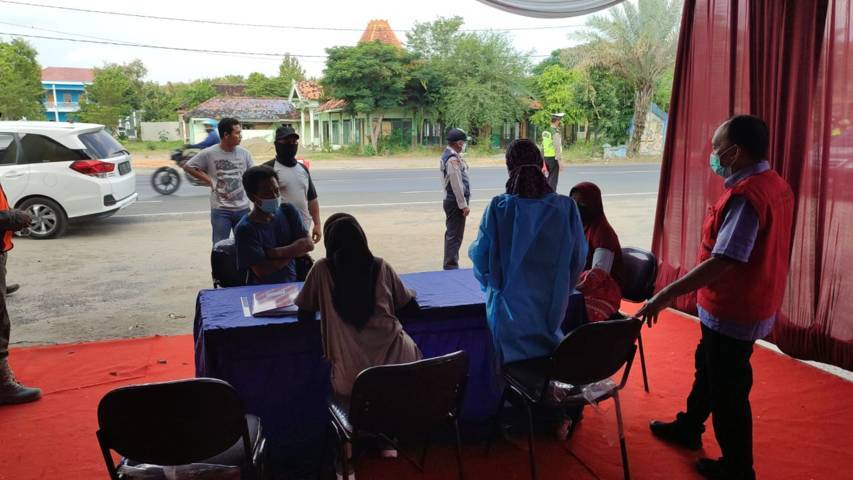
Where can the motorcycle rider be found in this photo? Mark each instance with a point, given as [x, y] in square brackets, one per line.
[211, 139]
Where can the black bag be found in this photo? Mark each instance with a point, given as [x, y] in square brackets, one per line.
[223, 265]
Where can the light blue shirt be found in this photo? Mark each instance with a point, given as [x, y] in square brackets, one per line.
[527, 256]
[735, 241]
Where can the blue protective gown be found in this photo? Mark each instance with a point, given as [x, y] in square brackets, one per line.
[527, 256]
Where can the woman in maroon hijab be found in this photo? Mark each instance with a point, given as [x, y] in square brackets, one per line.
[601, 280]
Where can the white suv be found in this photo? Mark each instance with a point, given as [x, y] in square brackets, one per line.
[59, 171]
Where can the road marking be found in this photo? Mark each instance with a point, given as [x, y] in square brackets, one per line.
[149, 201]
[359, 205]
[441, 191]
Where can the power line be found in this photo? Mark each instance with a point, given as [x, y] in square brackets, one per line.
[161, 47]
[261, 25]
[180, 49]
[130, 44]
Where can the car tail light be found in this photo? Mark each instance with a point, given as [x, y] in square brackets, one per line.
[93, 168]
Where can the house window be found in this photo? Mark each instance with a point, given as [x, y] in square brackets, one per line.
[66, 98]
[50, 98]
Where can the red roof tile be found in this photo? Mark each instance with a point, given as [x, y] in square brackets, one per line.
[380, 30]
[309, 90]
[333, 104]
[67, 74]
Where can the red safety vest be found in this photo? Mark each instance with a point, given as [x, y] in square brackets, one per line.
[752, 291]
[7, 235]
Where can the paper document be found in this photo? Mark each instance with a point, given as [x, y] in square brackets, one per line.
[275, 302]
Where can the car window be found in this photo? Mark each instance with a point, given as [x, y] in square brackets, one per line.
[8, 149]
[41, 149]
[101, 144]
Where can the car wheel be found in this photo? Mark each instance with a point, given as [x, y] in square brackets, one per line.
[49, 219]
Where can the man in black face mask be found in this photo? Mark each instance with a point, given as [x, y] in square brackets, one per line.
[296, 187]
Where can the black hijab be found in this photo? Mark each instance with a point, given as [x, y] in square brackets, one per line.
[353, 268]
[524, 162]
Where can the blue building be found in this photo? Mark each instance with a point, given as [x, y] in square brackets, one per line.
[63, 90]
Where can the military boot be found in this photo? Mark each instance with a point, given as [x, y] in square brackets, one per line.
[11, 391]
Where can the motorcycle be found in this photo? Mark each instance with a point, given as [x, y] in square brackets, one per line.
[166, 180]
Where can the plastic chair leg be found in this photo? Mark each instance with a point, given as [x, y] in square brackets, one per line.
[643, 363]
[496, 424]
[532, 452]
[621, 430]
[458, 449]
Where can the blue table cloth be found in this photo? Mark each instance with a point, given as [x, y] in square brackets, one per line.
[276, 364]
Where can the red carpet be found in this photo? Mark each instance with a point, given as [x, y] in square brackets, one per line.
[803, 417]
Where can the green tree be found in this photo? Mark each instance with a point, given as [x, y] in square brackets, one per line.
[607, 101]
[260, 85]
[115, 92]
[290, 69]
[486, 86]
[557, 87]
[159, 102]
[190, 95]
[371, 77]
[21, 92]
[434, 40]
[638, 41]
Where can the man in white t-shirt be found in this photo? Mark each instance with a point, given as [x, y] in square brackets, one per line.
[294, 180]
[222, 167]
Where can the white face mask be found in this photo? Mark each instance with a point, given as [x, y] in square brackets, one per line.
[464, 147]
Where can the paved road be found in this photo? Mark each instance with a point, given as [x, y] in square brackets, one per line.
[357, 189]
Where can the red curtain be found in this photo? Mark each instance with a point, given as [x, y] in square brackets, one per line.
[791, 63]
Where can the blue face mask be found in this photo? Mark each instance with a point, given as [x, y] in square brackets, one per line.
[718, 167]
[269, 205]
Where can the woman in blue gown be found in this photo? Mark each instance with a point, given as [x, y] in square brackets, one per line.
[528, 255]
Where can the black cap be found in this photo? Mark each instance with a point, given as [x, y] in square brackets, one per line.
[284, 131]
[455, 134]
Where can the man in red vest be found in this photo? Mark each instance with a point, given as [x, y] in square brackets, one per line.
[740, 279]
[11, 391]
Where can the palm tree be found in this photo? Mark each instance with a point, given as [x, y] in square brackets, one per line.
[638, 41]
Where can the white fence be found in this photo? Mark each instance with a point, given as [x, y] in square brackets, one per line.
[160, 131]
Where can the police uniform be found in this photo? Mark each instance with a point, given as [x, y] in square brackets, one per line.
[552, 150]
[457, 196]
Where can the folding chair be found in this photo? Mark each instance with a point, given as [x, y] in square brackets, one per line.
[639, 272]
[198, 420]
[592, 353]
[403, 401]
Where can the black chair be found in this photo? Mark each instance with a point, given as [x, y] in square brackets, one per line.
[639, 272]
[403, 401]
[199, 420]
[590, 354]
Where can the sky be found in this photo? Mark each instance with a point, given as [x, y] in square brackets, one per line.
[540, 38]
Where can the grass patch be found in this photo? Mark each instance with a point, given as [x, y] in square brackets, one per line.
[136, 146]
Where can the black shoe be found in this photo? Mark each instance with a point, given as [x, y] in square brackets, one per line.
[710, 468]
[718, 470]
[10, 289]
[676, 433]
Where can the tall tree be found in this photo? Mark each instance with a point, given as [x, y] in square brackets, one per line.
[638, 40]
[20, 81]
[607, 101]
[290, 69]
[115, 92]
[436, 39]
[557, 87]
[486, 86]
[370, 77]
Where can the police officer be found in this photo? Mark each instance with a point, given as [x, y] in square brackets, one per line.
[457, 196]
[552, 148]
